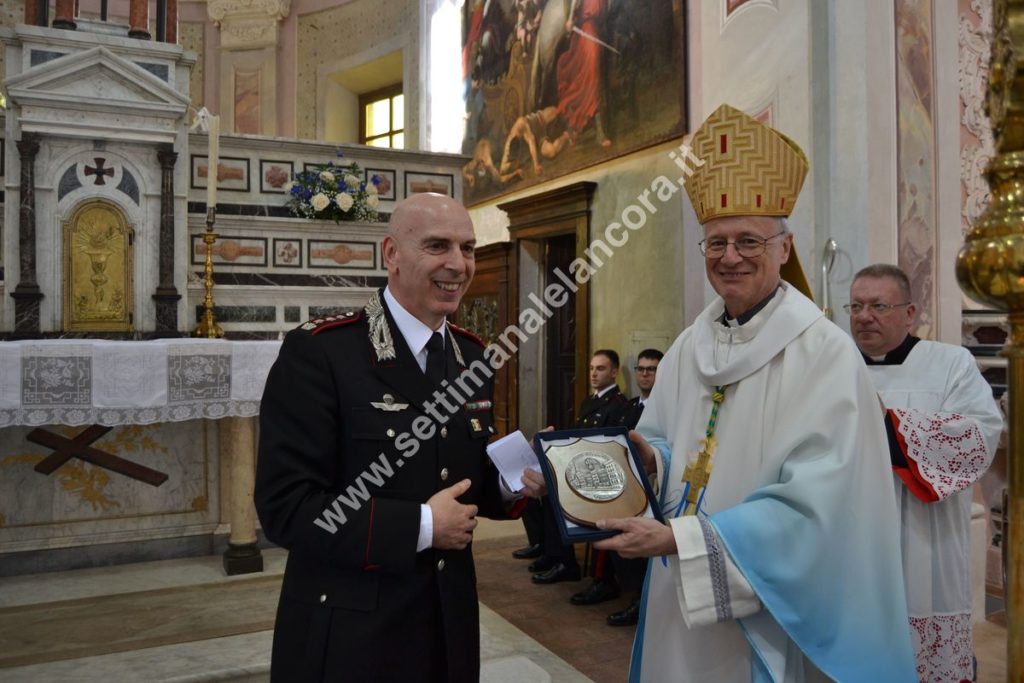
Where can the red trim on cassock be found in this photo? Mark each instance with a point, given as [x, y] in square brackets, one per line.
[911, 475]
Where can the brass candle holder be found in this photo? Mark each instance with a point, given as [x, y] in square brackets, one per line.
[990, 269]
[208, 327]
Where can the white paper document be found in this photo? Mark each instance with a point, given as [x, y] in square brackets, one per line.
[512, 454]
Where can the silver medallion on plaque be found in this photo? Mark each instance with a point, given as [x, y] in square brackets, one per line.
[595, 476]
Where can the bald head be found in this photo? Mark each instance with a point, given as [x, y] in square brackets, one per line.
[424, 208]
[429, 254]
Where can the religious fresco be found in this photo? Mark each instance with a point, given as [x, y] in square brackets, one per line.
[553, 86]
[915, 167]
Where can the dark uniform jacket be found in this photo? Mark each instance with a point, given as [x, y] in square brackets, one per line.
[631, 416]
[603, 411]
[358, 603]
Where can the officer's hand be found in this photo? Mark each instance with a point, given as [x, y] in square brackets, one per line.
[453, 521]
[533, 483]
[645, 450]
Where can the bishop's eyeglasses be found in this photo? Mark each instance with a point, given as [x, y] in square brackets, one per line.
[878, 309]
[747, 246]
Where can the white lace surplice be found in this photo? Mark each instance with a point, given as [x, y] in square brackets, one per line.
[948, 426]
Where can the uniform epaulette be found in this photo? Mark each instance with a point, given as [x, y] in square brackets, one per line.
[463, 332]
[318, 325]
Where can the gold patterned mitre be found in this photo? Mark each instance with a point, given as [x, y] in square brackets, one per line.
[749, 169]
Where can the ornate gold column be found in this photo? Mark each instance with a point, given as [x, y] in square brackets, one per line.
[236, 437]
[990, 269]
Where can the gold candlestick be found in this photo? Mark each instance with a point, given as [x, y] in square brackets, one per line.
[208, 327]
[990, 269]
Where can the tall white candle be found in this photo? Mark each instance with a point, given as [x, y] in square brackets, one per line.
[213, 160]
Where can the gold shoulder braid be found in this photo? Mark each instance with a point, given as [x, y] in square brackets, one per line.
[380, 333]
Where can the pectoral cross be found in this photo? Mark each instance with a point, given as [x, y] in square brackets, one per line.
[698, 473]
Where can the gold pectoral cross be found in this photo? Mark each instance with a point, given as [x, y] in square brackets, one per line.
[698, 473]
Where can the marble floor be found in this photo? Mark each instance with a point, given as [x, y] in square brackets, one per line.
[507, 653]
[515, 645]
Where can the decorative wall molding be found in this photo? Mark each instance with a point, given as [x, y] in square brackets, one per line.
[248, 24]
[974, 39]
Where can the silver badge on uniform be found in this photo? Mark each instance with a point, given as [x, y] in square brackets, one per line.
[389, 404]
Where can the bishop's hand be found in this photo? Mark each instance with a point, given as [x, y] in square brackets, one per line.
[639, 537]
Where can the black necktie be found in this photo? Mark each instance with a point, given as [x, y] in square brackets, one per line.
[435, 359]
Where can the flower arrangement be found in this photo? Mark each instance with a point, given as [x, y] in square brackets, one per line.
[333, 192]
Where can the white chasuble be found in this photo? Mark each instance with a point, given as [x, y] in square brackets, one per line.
[947, 427]
[791, 569]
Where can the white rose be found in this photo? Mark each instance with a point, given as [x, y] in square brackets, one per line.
[327, 176]
[344, 201]
[289, 185]
[351, 181]
[320, 201]
[372, 201]
[371, 188]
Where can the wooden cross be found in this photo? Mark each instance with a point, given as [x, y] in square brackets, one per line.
[697, 474]
[99, 171]
[79, 447]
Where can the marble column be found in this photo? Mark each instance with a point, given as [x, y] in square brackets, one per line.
[166, 297]
[238, 444]
[138, 19]
[171, 35]
[26, 294]
[64, 14]
[36, 11]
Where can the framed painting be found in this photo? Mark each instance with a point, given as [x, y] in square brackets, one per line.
[386, 185]
[274, 175]
[441, 183]
[232, 173]
[543, 101]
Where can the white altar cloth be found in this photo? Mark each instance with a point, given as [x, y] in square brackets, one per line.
[83, 381]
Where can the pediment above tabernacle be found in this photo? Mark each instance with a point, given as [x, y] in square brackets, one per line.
[96, 80]
[97, 94]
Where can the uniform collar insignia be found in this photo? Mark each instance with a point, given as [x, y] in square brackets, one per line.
[455, 345]
[388, 404]
[380, 333]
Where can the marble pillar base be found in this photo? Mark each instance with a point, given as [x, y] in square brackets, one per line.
[26, 308]
[243, 559]
[166, 309]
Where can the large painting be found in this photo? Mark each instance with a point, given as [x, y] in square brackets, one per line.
[556, 85]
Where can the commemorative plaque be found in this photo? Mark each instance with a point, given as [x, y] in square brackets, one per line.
[592, 474]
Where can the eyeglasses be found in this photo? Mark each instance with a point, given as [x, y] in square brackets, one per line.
[878, 309]
[646, 369]
[748, 246]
